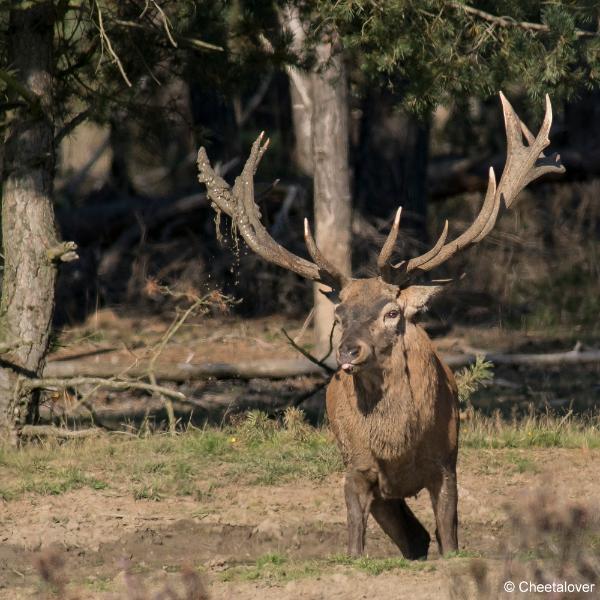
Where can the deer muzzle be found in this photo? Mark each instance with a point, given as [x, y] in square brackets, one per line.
[352, 354]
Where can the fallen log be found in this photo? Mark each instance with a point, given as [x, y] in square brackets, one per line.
[295, 367]
[49, 431]
[571, 357]
[182, 372]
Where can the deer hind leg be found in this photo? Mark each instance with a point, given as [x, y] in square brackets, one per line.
[398, 521]
[444, 498]
[358, 489]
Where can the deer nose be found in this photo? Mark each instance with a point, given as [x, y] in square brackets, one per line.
[352, 353]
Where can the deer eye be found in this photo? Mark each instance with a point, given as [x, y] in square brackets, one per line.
[393, 314]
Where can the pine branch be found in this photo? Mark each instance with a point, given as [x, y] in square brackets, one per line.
[503, 21]
[181, 40]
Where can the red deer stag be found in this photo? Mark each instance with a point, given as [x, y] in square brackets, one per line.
[392, 404]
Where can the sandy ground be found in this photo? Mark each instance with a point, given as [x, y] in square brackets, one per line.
[94, 530]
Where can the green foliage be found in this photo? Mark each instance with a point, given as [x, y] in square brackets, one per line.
[257, 427]
[112, 58]
[112, 55]
[471, 378]
[434, 51]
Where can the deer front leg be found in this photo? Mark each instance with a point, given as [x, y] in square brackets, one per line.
[358, 490]
[444, 498]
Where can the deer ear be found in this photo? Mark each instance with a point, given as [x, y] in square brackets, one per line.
[414, 299]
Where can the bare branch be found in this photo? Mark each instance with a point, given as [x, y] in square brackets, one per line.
[49, 383]
[68, 127]
[319, 362]
[190, 42]
[166, 23]
[106, 42]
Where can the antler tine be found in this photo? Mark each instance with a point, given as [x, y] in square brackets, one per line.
[524, 163]
[442, 251]
[398, 273]
[388, 247]
[239, 204]
[327, 269]
[415, 263]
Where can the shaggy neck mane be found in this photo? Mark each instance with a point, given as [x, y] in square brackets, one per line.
[390, 395]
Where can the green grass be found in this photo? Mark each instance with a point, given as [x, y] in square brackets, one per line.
[376, 566]
[258, 451]
[278, 568]
[189, 464]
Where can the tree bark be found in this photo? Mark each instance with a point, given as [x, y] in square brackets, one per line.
[28, 224]
[300, 93]
[332, 198]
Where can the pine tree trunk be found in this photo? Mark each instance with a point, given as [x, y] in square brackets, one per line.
[28, 224]
[332, 199]
[300, 93]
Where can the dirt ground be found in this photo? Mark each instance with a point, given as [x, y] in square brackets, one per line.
[303, 522]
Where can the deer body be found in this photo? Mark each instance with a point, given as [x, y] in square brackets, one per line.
[392, 404]
[395, 419]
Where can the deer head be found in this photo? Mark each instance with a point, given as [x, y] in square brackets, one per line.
[373, 312]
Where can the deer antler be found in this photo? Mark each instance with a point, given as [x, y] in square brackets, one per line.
[524, 163]
[238, 203]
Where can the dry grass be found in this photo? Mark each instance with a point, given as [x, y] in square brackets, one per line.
[54, 582]
[549, 543]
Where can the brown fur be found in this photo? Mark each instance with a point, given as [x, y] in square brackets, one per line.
[396, 422]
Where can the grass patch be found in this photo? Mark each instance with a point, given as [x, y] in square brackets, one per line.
[534, 431]
[256, 451]
[161, 465]
[376, 566]
[277, 568]
[273, 568]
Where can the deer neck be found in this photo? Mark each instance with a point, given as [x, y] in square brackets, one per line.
[399, 373]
